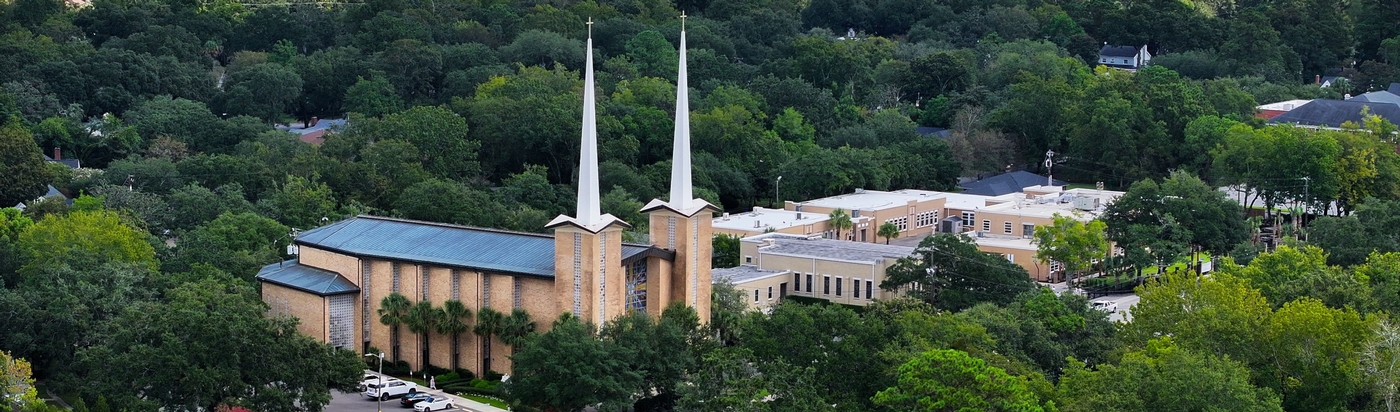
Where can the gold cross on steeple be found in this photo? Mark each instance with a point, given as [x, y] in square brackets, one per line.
[682, 21]
[590, 27]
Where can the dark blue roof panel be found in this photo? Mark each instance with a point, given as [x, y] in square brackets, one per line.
[1005, 183]
[294, 275]
[446, 245]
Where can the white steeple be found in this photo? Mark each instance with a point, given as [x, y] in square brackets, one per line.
[682, 199]
[589, 215]
[680, 153]
[588, 209]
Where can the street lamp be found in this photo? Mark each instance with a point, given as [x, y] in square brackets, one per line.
[378, 399]
[776, 196]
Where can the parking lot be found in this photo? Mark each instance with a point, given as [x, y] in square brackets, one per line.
[354, 402]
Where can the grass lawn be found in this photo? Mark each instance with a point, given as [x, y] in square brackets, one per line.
[489, 401]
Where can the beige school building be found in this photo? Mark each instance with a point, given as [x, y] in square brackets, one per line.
[1003, 224]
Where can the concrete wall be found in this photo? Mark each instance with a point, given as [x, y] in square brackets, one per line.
[309, 308]
[1022, 257]
[763, 285]
[347, 266]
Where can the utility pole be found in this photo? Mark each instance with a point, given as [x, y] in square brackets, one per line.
[1306, 180]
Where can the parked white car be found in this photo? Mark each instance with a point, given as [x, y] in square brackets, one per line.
[1105, 305]
[390, 388]
[367, 381]
[435, 403]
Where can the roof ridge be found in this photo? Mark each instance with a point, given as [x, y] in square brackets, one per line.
[466, 227]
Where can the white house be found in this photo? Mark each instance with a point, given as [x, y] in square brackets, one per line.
[1124, 57]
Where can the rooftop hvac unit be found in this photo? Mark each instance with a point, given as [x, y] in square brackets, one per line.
[1086, 203]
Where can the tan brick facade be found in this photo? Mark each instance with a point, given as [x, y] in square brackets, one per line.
[309, 309]
[688, 279]
[602, 292]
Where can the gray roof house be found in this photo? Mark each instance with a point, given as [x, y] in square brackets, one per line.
[1332, 113]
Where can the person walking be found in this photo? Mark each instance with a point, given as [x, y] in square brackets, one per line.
[432, 383]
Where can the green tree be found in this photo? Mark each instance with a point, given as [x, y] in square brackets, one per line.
[516, 329]
[157, 344]
[393, 312]
[373, 98]
[12, 223]
[653, 55]
[1164, 377]
[238, 243]
[22, 164]
[888, 231]
[1221, 315]
[1288, 274]
[950, 273]
[422, 318]
[839, 220]
[1348, 240]
[301, 203]
[948, 380]
[264, 91]
[726, 249]
[570, 367]
[1072, 243]
[1383, 271]
[454, 323]
[489, 324]
[95, 234]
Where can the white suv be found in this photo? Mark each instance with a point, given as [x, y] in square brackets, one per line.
[391, 388]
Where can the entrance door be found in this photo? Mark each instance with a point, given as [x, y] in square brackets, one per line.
[782, 290]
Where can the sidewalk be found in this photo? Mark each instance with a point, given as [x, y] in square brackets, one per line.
[460, 402]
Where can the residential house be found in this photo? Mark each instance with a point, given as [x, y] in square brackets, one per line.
[1124, 57]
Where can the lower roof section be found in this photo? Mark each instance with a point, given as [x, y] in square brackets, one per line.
[308, 279]
[446, 245]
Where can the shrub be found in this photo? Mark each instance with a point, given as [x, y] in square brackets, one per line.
[465, 374]
[492, 376]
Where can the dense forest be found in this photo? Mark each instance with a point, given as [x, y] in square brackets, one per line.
[139, 294]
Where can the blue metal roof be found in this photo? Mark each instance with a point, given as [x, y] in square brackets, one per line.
[1005, 183]
[294, 275]
[449, 245]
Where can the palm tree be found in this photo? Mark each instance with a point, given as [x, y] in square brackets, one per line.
[517, 328]
[392, 311]
[488, 324]
[840, 220]
[454, 322]
[421, 319]
[888, 230]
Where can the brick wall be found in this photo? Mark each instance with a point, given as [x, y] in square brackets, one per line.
[306, 307]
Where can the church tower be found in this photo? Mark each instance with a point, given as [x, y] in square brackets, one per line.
[588, 276]
[682, 224]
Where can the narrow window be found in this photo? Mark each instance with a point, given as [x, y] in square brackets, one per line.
[809, 283]
[796, 282]
[986, 225]
[826, 285]
[838, 286]
[770, 292]
[855, 288]
[1007, 228]
[869, 289]
[755, 295]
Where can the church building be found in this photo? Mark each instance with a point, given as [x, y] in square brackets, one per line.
[345, 269]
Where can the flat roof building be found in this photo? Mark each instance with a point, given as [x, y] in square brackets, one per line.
[777, 265]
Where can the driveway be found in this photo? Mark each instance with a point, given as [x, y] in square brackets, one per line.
[354, 402]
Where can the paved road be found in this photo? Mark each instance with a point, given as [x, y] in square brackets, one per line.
[1125, 302]
[355, 402]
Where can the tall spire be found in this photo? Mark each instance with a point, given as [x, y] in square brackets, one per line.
[681, 195]
[588, 210]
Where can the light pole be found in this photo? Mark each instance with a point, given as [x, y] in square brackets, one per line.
[776, 196]
[380, 395]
